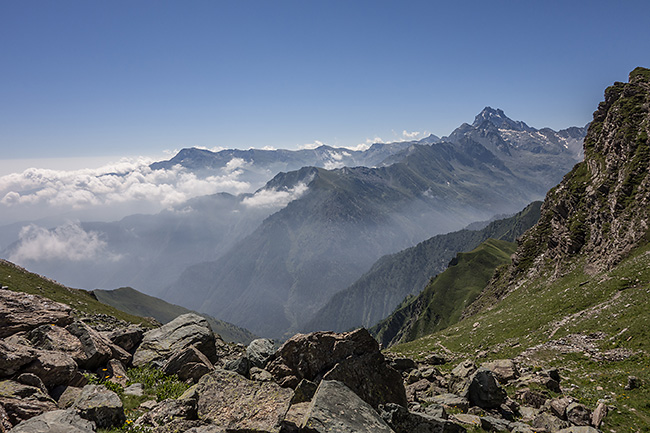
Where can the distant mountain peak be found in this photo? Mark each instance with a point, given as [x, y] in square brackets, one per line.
[499, 119]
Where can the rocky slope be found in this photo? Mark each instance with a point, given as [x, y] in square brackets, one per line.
[394, 277]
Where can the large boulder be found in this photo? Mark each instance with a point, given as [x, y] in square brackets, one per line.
[127, 338]
[95, 350]
[100, 405]
[22, 312]
[21, 402]
[53, 368]
[167, 411]
[56, 421]
[13, 356]
[336, 409]
[371, 378]
[310, 356]
[578, 414]
[403, 421]
[230, 401]
[259, 351]
[52, 337]
[460, 376]
[182, 332]
[484, 390]
[188, 364]
[504, 370]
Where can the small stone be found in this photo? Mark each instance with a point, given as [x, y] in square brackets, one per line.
[633, 382]
[135, 389]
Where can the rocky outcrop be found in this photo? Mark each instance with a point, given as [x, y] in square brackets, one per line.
[188, 364]
[336, 409]
[22, 312]
[179, 334]
[230, 401]
[56, 421]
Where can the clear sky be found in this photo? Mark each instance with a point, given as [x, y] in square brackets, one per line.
[110, 78]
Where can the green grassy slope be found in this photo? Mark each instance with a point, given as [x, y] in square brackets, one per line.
[134, 302]
[447, 295]
[82, 301]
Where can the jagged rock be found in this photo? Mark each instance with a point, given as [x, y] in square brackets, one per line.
[371, 378]
[68, 397]
[520, 427]
[100, 405]
[188, 364]
[229, 400]
[206, 429]
[32, 380]
[599, 414]
[55, 338]
[182, 332]
[116, 372]
[532, 398]
[484, 390]
[14, 356]
[548, 423]
[22, 312]
[491, 423]
[127, 338]
[413, 376]
[308, 356]
[260, 375]
[53, 368]
[5, 425]
[403, 421]
[435, 359]
[240, 365]
[436, 410]
[168, 410]
[148, 405]
[467, 419]
[294, 417]
[528, 413]
[259, 351]
[418, 390]
[558, 406]
[56, 421]
[403, 364]
[22, 402]
[578, 414]
[451, 401]
[460, 375]
[135, 389]
[95, 350]
[504, 370]
[183, 425]
[337, 409]
[304, 391]
[431, 374]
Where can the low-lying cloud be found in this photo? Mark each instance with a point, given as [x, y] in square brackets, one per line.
[272, 198]
[69, 242]
[128, 181]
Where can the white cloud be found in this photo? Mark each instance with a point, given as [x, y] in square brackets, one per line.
[123, 182]
[410, 135]
[67, 242]
[267, 198]
[269, 148]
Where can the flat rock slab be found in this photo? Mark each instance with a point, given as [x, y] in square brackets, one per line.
[336, 409]
[22, 312]
[57, 421]
[230, 401]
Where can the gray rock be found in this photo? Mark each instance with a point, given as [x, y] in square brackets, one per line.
[68, 397]
[467, 419]
[599, 414]
[135, 389]
[57, 421]
[558, 406]
[484, 390]
[52, 337]
[260, 375]
[436, 410]
[100, 405]
[371, 378]
[13, 356]
[53, 368]
[520, 427]
[491, 423]
[504, 370]
[336, 409]
[633, 382]
[535, 399]
[460, 376]
[21, 402]
[230, 401]
[239, 365]
[578, 414]
[259, 351]
[308, 356]
[182, 332]
[206, 429]
[95, 350]
[127, 338]
[304, 391]
[32, 380]
[451, 401]
[579, 429]
[548, 423]
[403, 421]
[168, 410]
[116, 372]
[435, 359]
[403, 364]
[22, 312]
[188, 364]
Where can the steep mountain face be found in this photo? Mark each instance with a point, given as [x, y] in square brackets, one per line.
[442, 301]
[273, 281]
[392, 278]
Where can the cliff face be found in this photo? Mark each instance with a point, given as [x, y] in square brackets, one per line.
[600, 209]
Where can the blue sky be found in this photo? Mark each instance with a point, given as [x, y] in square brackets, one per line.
[114, 78]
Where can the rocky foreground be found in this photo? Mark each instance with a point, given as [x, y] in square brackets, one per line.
[319, 382]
